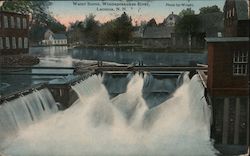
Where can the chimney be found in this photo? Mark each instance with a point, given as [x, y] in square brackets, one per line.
[173, 12]
[219, 34]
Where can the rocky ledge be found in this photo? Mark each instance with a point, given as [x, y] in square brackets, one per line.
[18, 60]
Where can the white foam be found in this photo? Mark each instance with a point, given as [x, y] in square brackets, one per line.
[124, 126]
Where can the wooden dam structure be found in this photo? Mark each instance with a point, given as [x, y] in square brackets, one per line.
[63, 94]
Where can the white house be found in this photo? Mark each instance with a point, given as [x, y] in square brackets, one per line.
[51, 38]
[171, 20]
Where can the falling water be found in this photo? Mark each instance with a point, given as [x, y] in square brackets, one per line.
[18, 114]
[96, 125]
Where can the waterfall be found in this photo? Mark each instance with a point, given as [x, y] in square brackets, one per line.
[123, 126]
[19, 113]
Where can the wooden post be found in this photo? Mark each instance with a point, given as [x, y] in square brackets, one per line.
[225, 121]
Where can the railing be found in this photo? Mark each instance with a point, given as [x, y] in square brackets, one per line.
[203, 78]
[148, 68]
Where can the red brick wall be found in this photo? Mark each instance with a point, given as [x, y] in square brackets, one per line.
[221, 81]
[13, 32]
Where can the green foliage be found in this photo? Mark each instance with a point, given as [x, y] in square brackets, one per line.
[209, 9]
[186, 12]
[188, 24]
[21, 6]
[124, 28]
[90, 28]
[117, 30]
[107, 33]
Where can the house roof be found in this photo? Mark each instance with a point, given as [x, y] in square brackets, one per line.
[227, 39]
[241, 9]
[176, 17]
[59, 36]
[158, 32]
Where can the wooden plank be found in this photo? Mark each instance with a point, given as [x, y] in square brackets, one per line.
[147, 68]
[32, 67]
[37, 74]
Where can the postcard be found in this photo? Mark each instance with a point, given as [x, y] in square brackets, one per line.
[124, 78]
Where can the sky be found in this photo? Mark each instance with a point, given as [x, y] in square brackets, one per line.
[143, 10]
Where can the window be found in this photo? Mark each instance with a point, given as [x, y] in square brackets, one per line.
[1, 43]
[13, 43]
[7, 43]
[25, 42]
[240, 62]
[20, 43]
[24, 23]
[12, 22]
[230, 13]
[233, 12]
[18, 23]
[6, 24]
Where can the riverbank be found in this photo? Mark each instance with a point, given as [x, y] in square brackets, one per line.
[18, 60]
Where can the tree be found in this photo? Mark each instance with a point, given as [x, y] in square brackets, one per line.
[117, 30]
[124, 28]
[17, 6]
[90, 28]
[188, 24]
[209, 9]
[38, 9]
[186, 12]
[108, 33]
[74, 32]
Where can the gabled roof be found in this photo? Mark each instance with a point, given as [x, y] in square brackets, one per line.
[59, 36]
[158, 32]
[241, 9]
[176, 17]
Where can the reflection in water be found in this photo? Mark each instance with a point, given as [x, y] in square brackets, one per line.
[61, 56]
[120, 56]
[51, 51]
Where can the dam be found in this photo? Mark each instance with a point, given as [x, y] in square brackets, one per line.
[138, 114]
[66, 106]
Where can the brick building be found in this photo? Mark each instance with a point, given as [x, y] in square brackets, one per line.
[13, 33]
[228, 77]
[236, 20]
